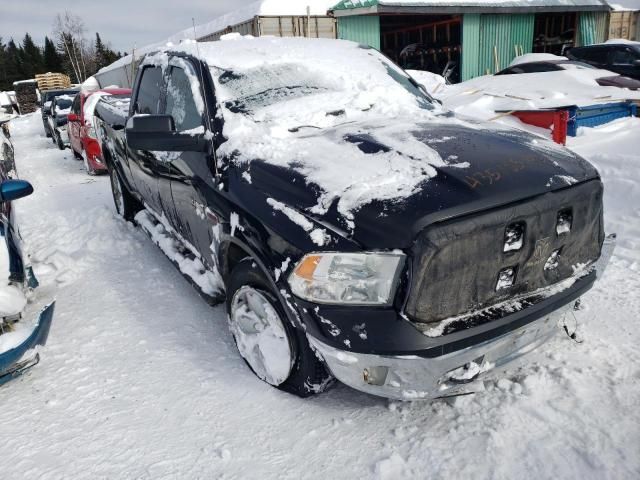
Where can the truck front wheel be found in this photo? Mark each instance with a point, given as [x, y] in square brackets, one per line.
[126, 205]
[277, 352]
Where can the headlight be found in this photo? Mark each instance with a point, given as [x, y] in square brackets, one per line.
[347, 278]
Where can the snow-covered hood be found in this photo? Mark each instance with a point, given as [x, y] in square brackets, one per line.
[481, 168]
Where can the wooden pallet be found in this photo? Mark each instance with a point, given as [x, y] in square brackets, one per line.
[50, 81]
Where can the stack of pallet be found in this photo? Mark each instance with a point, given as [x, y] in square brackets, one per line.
[53, 81]
[26, 96]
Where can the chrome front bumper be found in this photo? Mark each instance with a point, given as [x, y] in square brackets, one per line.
[413, 377]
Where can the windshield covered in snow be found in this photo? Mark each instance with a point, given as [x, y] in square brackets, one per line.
[265, 85]
[63, 104]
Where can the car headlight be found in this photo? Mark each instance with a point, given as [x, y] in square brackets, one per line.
[347, 278]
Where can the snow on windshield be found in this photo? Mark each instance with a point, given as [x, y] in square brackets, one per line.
[292, 102]
[63, 104]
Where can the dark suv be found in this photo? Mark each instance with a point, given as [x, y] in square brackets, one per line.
[354, 227]
[622, 58]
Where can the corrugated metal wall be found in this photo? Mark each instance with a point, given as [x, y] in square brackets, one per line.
[470, 45]
[361, 29]
[489, 41]
[592, 28]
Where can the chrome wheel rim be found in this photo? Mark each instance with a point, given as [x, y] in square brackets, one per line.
[117, 192]
[260, 335]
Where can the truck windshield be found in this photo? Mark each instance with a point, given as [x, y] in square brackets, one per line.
[249, 90]
[63, 104]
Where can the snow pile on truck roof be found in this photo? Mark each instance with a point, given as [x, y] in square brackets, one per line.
[294, 102]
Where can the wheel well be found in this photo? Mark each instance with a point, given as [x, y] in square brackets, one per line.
[106, 154]
[235, 254]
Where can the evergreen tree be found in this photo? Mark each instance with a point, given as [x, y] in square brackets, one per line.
[3, 66]
[32, 61]
[13, 64]
[104, 55]
[52, 59]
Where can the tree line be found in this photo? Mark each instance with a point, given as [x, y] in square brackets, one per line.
[66, 51]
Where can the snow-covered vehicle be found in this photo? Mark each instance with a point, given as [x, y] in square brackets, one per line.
[46, 97]
[82, 137]
[18, 336]
[541, 63]
[620, 56]
[357, 229]
[59, 110]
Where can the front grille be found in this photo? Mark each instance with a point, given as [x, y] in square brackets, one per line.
[459, 265]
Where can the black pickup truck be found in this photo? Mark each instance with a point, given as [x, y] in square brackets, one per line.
[355, 228]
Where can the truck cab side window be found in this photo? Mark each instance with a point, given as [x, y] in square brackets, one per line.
[149, 92]
[180, 102]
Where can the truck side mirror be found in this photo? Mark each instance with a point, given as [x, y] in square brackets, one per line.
[158, 133]
[14, 189]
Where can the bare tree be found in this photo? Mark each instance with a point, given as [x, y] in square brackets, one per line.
[69, 31]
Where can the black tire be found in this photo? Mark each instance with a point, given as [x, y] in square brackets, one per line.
[128, 206]
[308, 374]
[59, 141]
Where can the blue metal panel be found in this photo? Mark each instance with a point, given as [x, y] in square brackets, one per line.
[594, 115]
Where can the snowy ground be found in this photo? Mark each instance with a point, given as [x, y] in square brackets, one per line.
[140, 378]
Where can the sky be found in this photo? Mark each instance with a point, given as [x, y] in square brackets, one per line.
[122, 23]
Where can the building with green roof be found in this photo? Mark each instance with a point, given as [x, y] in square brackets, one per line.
[470, 37]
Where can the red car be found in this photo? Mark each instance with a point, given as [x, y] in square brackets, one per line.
[82, 136]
